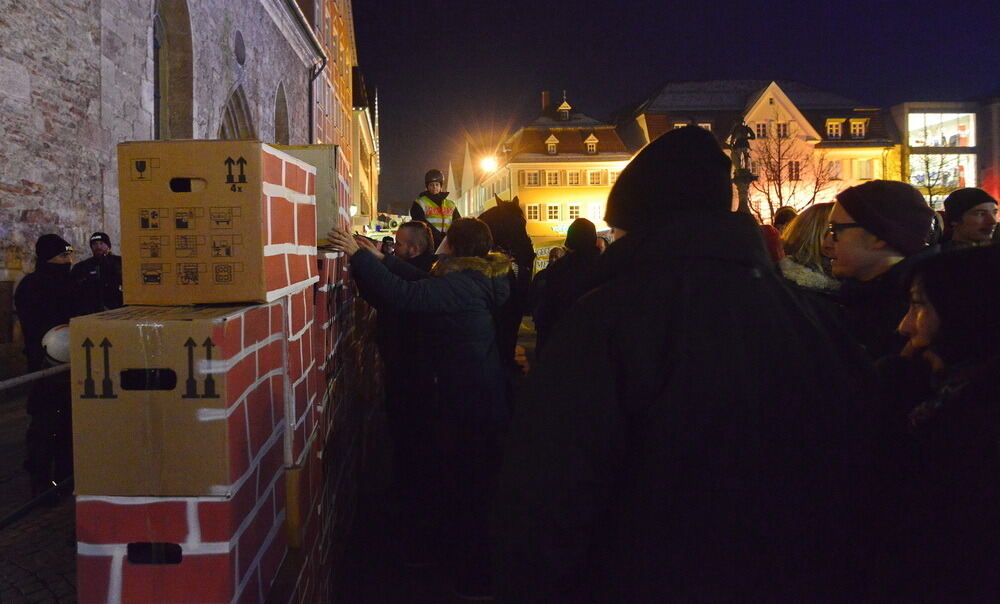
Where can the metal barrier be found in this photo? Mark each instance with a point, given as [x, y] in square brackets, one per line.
[30, 377]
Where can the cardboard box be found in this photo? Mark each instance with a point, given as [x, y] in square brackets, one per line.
[331, 209]
[185, 549]
[214, 222]
[175, 400]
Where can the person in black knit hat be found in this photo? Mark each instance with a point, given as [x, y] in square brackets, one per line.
[98, 279]
[567, 279]
[45, 299]
[877, 231]
[659, 451]
[971, 215]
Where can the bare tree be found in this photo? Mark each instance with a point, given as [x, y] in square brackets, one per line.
[932, 173]
[789, 172]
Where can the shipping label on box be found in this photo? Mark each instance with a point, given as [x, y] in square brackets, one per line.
[175, 400]
[214, 222]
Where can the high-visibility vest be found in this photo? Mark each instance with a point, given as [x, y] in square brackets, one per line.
[438, 216]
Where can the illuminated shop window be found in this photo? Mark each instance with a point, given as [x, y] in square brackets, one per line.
[943, 171]
[573, 210]
[834, 129]
[552, 211]
[574, 177]
[760, 130]
[941, 129]
[552, 178]
[533, 213]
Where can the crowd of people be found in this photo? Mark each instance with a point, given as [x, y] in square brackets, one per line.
[711, 417]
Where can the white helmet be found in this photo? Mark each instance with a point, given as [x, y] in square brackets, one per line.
[55, 343]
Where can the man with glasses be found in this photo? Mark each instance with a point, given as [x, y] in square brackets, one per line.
[44, 299]
[876, 230]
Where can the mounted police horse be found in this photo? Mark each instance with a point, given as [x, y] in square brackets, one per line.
[510, 236]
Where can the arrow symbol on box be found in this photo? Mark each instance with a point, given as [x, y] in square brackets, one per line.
[242, 163]
[190, 386]
[106, 388]
[88, 384]
[209, 380]
[229, 167]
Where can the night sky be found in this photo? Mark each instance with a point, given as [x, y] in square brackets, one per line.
[447, 69]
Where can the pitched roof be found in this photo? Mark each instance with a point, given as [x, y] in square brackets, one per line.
[721, 95]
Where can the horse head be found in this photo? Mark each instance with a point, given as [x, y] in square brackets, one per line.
[510, 230]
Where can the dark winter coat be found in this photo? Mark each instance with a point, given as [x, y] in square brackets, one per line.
[98, 282]
[945, 542]
[874, 308]
[690, 435]
[458, 304]
[43, 300]
[565, 281]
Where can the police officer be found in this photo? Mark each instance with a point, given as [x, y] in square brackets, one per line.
[98, 279]
[433, 206]
[43, 300]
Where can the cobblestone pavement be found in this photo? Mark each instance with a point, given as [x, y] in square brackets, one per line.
[37, 552]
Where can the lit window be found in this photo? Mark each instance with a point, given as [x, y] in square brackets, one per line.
[613, 176]
[781, 129]
[552, 211]
[834, 129]
[942, 129]
[573, 210]
[591, 147]
[574, 177]
[531, 178]
[862, 169]
[705, 125]
[857, 129]
[833, 169]
[680, 125]
[595, 212]
[552, 178]
[551, 148]
[760, 130]
[533, 213]
[594, 178]
[794, 170]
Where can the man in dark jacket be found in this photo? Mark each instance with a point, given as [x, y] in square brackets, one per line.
[971, 215]
[433, 206]
[877, 231]
[689, 435]
[98, 279]
[43, 300]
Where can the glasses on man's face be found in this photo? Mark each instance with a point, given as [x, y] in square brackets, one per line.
[835, 228]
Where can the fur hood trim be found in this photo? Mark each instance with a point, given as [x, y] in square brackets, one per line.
[495, 265]
[806, 277]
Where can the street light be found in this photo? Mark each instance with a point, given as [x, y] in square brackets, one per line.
[488, 164]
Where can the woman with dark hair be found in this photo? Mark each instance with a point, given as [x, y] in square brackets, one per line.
[458, 302]
[946, 544]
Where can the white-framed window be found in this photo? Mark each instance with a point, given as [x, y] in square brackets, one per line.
[531, 178]
[552, 178]
[532, 212]
[781, 129]
[833, 169]
[552, 211]
[594, 178]
[834, 129]
[862, 169]
[794, 170]
[591, 147]
[551, 148]
[705, 125]
[858, 128]
[573, 176]
[760, 130]
[573, 211]
[613, 176]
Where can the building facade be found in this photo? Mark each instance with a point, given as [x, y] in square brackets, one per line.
[365, 151]
[809, 144]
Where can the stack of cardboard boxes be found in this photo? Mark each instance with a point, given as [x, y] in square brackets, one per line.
[201, 410]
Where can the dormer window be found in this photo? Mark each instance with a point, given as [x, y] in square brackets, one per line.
[564, 115]
[859, 128]
[591, 147]
[564, 109]
[835, 128]
[591, 143]
[550, 144]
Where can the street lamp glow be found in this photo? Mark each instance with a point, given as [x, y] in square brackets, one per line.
[488, 164]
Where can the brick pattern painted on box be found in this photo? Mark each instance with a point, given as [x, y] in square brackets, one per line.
[290, 233]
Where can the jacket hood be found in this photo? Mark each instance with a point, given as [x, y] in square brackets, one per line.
[494, 265]
[804, 276]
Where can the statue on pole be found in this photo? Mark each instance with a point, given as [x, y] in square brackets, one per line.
[739, 145]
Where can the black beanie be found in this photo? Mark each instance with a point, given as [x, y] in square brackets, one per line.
[99, 236]
[893, 211]
[49, 246]
[581, 234]
[962, 200]
[683, 170]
